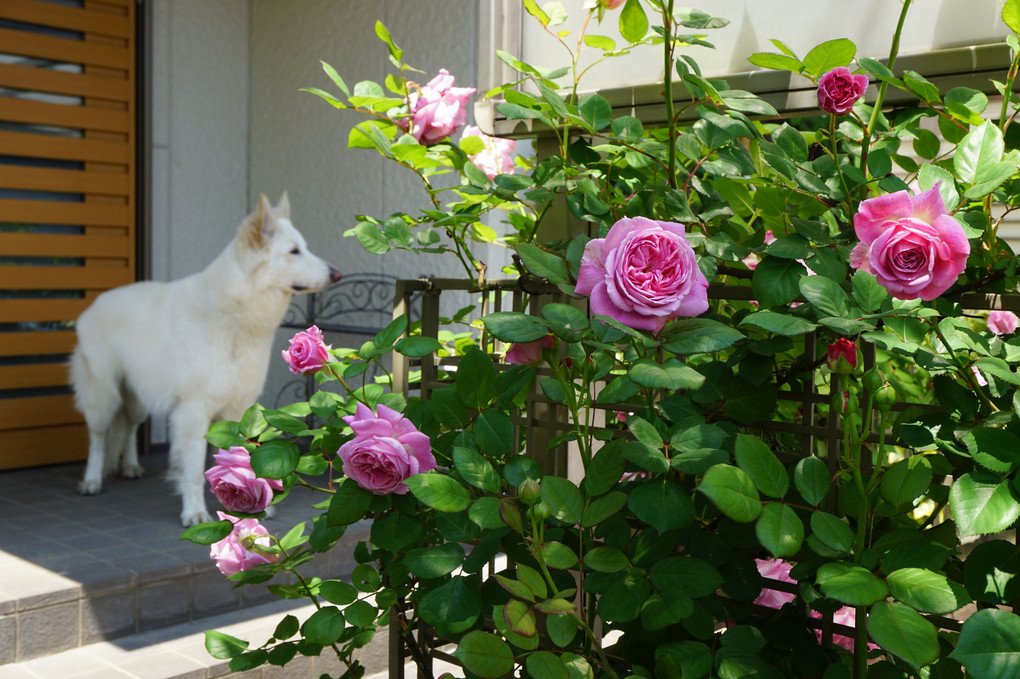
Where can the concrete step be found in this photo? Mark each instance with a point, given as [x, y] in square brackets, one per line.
[178, 652]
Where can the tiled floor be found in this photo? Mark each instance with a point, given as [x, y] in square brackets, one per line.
[132, 527]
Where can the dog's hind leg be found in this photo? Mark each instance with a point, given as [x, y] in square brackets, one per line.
[188, 424]
[98, 398]
[134, 414]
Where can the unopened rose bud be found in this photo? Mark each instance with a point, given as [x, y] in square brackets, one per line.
[841, 356]
[541, 511]
[873, 380]
[885, 397]
[530, 491]
[851, 404]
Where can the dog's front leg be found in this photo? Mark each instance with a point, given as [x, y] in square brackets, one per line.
[188, 424]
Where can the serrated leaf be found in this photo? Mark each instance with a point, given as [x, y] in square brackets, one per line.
[732, 491]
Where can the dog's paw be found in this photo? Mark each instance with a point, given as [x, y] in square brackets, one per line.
[132, 471]
[87, 487]
[189, 519]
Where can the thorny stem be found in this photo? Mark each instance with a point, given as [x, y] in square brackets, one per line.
[1007, 92]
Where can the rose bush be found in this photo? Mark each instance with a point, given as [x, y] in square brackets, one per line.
[436, 110]
[235, 484]
[840, 411]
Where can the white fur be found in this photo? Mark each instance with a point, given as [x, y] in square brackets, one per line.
[196, 349]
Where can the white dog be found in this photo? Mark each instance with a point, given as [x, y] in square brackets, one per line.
[195, 349]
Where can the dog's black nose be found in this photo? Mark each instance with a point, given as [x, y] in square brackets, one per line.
[334, 275]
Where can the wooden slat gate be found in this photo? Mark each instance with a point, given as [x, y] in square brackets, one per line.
[67, 204]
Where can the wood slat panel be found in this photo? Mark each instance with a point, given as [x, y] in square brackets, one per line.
[37, 343]
[33, 375]
[46, 212]
[64, 277]
[25, 310]
[52, 245]
[64, 115]
[64, 50]
[46, 445]
[61, 148]
[38, 411]
[59, 82]
[64, 181]
[72, 18]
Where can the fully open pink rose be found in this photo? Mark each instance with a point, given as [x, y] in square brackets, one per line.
[308, 352]
[237, 552]
[236, 486]
[385, 450]
[910, 243]
[643, 273]
[523, 353]
[496, 157]
[1002, 322]
[839, 89]
[436, 110]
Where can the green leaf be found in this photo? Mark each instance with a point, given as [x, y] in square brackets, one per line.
[561, 629]
[994, 449]
[775, 281]
[600, 42]
[832, 531]
[275, 459]
[348, 504]
[868, 292]
[512, 326]
[700, 336]
[494, 432]
[633, 21]
[434, 562]
[595, 111]
[991, 572]
[672, 374]
[980, 148]
[826, 295]
[926, 591]
[543, 264]
[546, 665]
[779, 530]
[851, 585]
[557, 555]
[811, 478]
[903, 632]
[439, 491]
[563, 498]
[982, 503]
[338, 592]
[906, 481]
[417, 346]
[567, 322]
[989, 645]
[476, 470]
[761, 464]
[476, 379]
[606, 560]
[602, 508]
[485, 654]
[1011, 15]
[324, 626]
[209, 532]
[779, 323]
[223, 646]
[732, 491]
[452, 608]
[776, 62]
[662, 505]
[829, 55]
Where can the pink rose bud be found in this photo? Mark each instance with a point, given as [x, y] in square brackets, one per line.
[642, 274]
[496, 157]
[910, 243]
[839, 89]
[436, 110]
[841, 356]
[236, 486]
[246, 546]
[1002, 322]
[612, 4]
[385, 450]
[524, 353]
[308, 353]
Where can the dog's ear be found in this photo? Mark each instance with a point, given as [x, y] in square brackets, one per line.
[260, 225]
[283, 207]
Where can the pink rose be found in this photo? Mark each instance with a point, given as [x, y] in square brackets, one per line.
[436, 110]
[239, 551]
[307, 353]
[910, 243]
[751, 261]
[496, 157]
[839, 89]
[234, 483]
[523, 353]
[385, 450]
[642, 274]
[1002, 322]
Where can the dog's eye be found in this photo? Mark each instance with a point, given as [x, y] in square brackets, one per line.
[295, 251]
